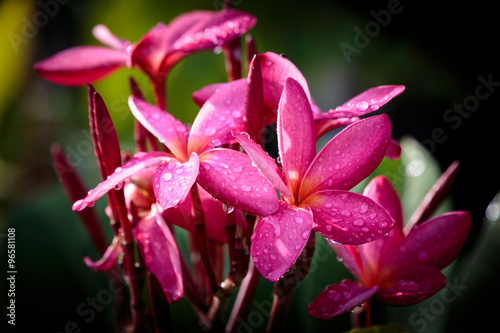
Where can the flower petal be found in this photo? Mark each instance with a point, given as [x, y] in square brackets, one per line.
[105, 36]
[131, 167]
[229, 176]
[296, 133]
[221, 114]
[370, 100]
[339, 298]
[108, 259]
[394, 150]
[374, 253]
[264, 163]
[436, 242]
[202, 30]
[200, 96]
[279, 239]
[81, 65]
[161, 124]
[151, 50]
[275, 71]
[173, 181]
[160, 254]
[411, 286]
[347, 217]
[254, 102]
[349, 157]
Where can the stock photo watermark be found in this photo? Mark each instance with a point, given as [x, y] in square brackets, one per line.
[430, 312]
[31, 25]
[362, 38]
[455, 116]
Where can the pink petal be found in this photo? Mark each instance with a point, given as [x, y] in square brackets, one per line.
[159, 252]
[296, 133]
[264, 163]
[279, 239]
[339, 298]
[410, 286]
[108, 259]
[275, 71]
[349, 157]
[433, 199]
[230, 177]
[105, 36]
[161, 124]
[172, 181]
[202, 95]
[137, 163]
[202, 30]
[81, 65]
[348, 218]
[436, 242]
[254, 102]
[349, 256]
[151, 50]
[221, 114]
[374, 254]
[370, 100]
[394, 150]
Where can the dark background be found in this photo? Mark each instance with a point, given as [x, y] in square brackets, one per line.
[438, 50]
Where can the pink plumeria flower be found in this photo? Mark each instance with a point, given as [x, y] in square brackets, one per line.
[314, 187]
[156, 53]
[399, 269]
[228, 175]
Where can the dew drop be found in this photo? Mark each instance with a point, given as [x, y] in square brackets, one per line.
[118, 186]
[167, 176]
[333, 295]
[90, 203]
[347, 295]
[359, 223]
[119, 169]
[383, 224]
[328, 227]
[210, 131]
[364, 208]
[305, 234]
[216, 142]
[365, 229]
[299, 219]
[272, 256]
[346, 213]
[340, 259]
[277, 230]
[246, 188]
[236, 113]
[373, 215]
[362, 106]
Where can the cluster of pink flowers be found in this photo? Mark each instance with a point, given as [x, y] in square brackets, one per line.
[214, 179]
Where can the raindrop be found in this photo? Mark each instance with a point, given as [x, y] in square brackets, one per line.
[347, 294]
[359, 223]
[365, 229]
[328, 227]
[373, 215]
[362, 106]
[340, 259]
[216, 142]
[119, 169]
[299, 219]
[210, 131]
[364, 208]
[305, 234]
[382, 224]
[118, 186]
[167, 176]
[228, 209]
[272, 256]
[346, 213]
[246, 188]
[333, 295]
[90, 203]
[277, 230]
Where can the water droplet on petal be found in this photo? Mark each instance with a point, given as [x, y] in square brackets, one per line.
[305, 234]
[210, 131]
[167, 176]
[299, 219]
[346, 213]
[90, 203]
[246, 188]
[277, 230]
[382, 224]
[340, 259]
[333, 295]
[347, 294]
[328, 227]
[359, 223]
[119, 169]
[118, 186]
[216, 142]
[362, 106]
[364, 208]
[373, 215]
[227, 208]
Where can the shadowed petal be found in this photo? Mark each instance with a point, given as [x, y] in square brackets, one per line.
[411, 286]
[81, 65]
[339, 298]
[279, 239]
[374, 253]
[254, 101]
[161, 124]
[349, 157]
[172, 181]
[347, 217]
[394, 150]
[296, 133]
[159, 252]
[108, 259]
[221, 114]
[436, 242]
[264, 163]
[230, 177]
[370, 100]
[131, 167]
[151, 50]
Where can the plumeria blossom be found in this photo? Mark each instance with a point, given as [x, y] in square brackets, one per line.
[155, 54]
[273, 70]
[314, 187]
[399, 269]
[228, 175]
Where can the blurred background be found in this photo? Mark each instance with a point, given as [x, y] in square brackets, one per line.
[445, 54]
